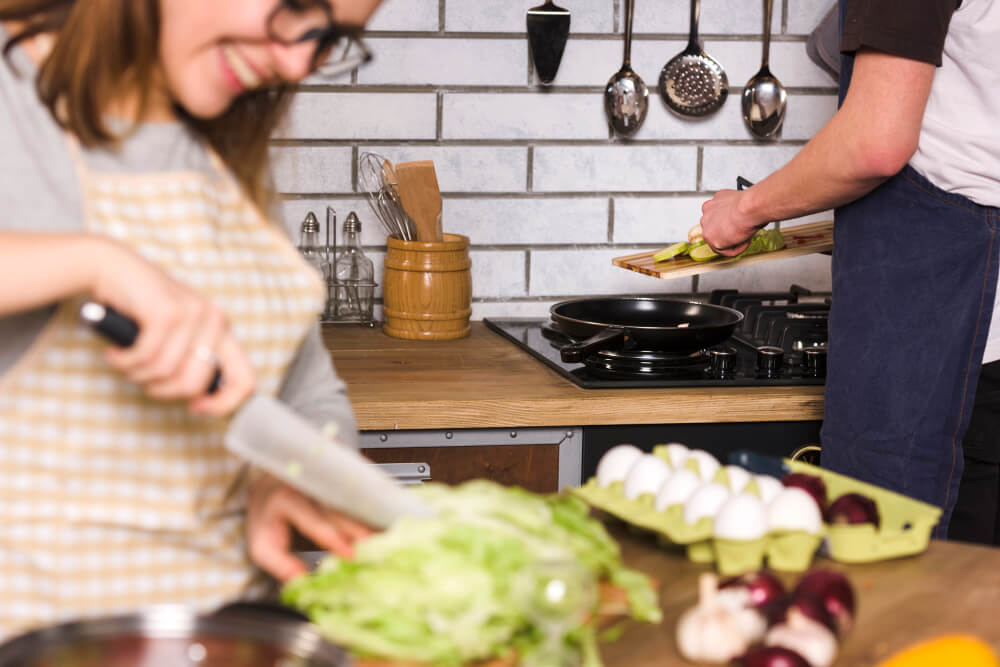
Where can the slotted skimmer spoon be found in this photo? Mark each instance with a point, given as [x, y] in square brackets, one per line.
[693, 83]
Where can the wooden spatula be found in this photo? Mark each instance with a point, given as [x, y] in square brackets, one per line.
[421, 198]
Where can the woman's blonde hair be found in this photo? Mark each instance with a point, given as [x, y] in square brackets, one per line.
[104, 47]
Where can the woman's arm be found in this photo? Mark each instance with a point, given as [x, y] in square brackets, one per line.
[870, 138]
[46, 268]
[175, 321]
[314, 390]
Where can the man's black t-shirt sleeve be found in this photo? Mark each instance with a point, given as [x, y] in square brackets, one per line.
[913, 29]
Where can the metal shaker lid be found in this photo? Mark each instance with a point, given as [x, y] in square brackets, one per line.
[310, 224]
[352, 223]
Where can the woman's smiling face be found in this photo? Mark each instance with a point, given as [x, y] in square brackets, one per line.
[213, 51]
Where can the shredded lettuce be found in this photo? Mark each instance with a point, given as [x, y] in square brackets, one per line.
[495, 569]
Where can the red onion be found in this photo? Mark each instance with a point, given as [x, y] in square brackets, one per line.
[803, 602]
[763, 586]
[770, 656]
[853, 508]
[815, 486]
[836, 593]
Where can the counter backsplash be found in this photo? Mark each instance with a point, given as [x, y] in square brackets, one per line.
[531, 174]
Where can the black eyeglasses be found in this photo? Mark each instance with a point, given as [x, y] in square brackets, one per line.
[298, 21]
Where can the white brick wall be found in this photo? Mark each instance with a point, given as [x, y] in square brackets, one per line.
[531, 175]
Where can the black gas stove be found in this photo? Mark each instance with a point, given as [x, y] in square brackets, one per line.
[780, 342]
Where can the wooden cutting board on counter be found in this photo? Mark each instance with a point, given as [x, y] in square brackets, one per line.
[799, 240]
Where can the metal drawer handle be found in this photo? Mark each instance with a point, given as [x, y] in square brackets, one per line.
[408, 473]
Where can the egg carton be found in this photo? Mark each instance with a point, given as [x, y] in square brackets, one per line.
[904, 528]
[786, 550]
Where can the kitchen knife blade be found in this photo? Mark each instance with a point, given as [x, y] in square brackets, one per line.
[266, 433]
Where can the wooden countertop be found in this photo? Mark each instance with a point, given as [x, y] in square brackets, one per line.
[951, 588]
[484, 381]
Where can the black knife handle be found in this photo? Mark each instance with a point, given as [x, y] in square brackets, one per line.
[122, 331]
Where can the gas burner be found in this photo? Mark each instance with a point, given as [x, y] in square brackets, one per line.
[792, 326]
[646, 364]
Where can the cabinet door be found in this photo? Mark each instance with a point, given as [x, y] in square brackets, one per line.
[533, 467]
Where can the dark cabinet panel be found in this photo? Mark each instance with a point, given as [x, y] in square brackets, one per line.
[533, 467]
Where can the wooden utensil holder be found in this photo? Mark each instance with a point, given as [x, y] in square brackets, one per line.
[427, 288]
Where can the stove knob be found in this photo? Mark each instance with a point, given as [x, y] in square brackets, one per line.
[769, 361]
[723, 364]
[814, 359]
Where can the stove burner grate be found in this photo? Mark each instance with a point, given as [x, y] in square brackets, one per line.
[646, 364]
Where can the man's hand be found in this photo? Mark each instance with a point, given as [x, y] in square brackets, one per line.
[274, 509]
[723, 224]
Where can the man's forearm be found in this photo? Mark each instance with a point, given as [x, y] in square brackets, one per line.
[867, 141]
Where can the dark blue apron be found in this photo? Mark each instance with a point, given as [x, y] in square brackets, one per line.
[914, 280]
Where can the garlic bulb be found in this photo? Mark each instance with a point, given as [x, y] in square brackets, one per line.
[812, 640]
[720, 627]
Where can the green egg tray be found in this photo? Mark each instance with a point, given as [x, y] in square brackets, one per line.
[905, 524]
[905, 528]
[787, 551]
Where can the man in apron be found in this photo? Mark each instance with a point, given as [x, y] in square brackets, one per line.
[911, 162]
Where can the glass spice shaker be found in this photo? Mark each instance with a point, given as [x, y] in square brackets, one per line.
[312, 248]
[354, 276]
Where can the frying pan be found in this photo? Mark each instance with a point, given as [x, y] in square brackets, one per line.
[650, 323]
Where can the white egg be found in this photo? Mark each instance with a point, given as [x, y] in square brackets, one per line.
[708, 465]
[645, 476]
[615, 464]
[768, 486]
[794, 509]
[676, 452]
[677, 488]
[705, 501]
[738, 478]
[741, 517]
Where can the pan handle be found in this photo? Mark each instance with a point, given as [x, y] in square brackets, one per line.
[577, 351]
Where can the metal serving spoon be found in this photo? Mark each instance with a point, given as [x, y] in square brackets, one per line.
[626, 98]
[764, 98]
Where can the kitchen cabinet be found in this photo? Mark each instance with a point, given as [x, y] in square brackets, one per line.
[537, 459]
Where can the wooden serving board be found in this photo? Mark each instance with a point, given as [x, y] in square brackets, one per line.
[799, 240]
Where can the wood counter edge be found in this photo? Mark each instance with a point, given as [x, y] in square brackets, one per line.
[670, 406]
[395, 384]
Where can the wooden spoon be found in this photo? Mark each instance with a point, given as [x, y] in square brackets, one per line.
[421, 198]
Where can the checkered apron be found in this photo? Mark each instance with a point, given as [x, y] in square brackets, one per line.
[110, 501]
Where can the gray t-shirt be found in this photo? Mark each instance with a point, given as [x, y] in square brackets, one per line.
[39, 192]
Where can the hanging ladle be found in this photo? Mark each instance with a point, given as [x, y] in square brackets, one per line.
[626, 98]
[764, 98]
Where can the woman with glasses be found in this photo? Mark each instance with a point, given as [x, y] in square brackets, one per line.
[133, 172]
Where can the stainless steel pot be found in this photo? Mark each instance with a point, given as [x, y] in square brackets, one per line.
[240, 636]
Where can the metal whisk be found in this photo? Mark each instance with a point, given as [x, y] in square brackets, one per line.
[378, 178]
